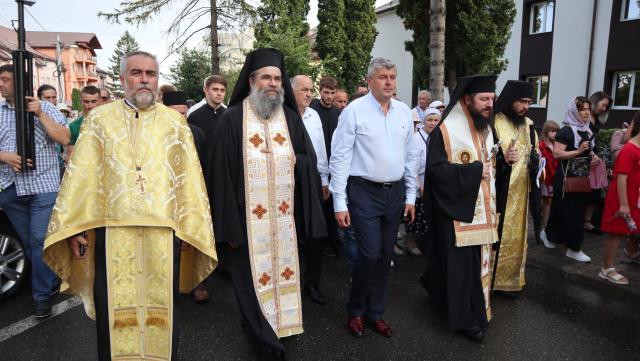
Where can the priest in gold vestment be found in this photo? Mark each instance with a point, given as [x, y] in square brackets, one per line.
[132, 191]
[515, 131]
[266, 195]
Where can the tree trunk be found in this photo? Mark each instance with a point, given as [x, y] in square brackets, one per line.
[215, 56]
[437, 13]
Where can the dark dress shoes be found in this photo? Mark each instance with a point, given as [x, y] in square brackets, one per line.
[43, 309]
[382, 328]
[474, 333]
[356, 326]
[314, 294]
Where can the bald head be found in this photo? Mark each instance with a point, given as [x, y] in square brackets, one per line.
[303, 91]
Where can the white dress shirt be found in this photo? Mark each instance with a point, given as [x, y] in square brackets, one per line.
[378, 147]
[313, 125]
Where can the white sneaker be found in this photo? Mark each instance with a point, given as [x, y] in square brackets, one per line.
[578, 256]
[545, 240]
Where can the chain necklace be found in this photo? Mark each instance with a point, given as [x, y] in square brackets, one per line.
[135, 130]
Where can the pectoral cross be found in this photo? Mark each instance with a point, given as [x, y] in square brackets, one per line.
[140, 180]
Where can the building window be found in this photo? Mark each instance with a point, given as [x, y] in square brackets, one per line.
[541, 17]
[540, 90]
[630, 9]
[626, 89]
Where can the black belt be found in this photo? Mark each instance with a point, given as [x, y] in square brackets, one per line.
[385, 185]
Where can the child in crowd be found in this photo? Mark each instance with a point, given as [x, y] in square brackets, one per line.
[621, 215]
[549, 130]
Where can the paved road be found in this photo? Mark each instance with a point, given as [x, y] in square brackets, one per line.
[554, 320]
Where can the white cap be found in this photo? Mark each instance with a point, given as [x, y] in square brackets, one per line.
[436, 103]
[63, 107]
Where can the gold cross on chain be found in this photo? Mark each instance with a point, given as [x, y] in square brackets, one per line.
[140, 180]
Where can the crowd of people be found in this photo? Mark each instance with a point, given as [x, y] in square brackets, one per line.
[157, 192]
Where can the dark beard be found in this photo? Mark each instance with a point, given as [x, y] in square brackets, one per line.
[479, 121]
[515, 118]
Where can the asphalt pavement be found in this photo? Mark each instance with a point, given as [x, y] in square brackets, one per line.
[555, 319]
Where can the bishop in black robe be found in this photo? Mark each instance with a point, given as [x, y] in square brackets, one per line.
[226, 187]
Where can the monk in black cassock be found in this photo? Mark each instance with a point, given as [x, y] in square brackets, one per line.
[460, 202]
[266, 194]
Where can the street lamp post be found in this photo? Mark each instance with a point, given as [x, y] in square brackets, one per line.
[60, 69]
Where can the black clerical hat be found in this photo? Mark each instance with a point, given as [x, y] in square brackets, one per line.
[174, 98]
[512, 91]
[255, 60]
[470, 85]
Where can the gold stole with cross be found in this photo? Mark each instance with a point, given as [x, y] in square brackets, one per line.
[269, 163]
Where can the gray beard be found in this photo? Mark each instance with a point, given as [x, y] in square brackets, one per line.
[263, 104]
[143, 100]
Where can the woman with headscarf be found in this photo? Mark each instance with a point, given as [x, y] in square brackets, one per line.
[574, 149]
[419, 228]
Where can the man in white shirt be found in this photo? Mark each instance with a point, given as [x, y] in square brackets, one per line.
[303, 91]
[372, 151]
[419, 112]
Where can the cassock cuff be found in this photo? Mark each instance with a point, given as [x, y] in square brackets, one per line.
[325, 181]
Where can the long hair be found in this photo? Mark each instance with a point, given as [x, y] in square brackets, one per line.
[547, 128]
[635, 124]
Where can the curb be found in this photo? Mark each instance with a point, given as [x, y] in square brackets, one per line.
[585, 279]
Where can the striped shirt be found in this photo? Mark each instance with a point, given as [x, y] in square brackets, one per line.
[46, 177]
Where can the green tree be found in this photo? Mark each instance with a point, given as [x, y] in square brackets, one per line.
[477, 32]
[231, 77]
[189, 71]
[282, 25]
[216, 14]
[76, 100]
[361, 32]
[126, 44]
[331, 38]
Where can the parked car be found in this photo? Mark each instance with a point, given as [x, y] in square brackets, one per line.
[13, 260]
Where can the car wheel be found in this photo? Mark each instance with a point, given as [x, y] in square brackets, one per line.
[12, 265]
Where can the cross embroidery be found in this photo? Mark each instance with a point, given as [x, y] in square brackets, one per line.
[256, 140]
[284, 207]
[287, 273]
[264, 279]
[259, 211]
[279, 139]
[140, 180]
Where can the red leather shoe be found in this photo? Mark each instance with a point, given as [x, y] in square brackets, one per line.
[356, 326]
[382, 328]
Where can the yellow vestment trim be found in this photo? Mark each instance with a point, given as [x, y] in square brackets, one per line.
[513, 245]
[99, 190]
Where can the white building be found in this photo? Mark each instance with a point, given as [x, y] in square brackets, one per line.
[390, 44]
[565, 47]
[568, 50]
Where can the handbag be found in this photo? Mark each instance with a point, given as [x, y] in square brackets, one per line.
[578, 181]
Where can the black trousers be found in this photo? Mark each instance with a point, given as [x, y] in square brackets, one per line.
[312, 252]
[101, 299]
[331, 240]
[375, 216]
[264, 338]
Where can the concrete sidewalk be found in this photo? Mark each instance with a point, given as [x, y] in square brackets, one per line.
[555, 261]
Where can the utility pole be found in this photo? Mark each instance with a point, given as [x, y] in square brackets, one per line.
[22, 87]
[59, 70]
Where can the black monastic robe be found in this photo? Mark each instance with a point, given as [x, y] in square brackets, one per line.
[225, 184]
[453, 277]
